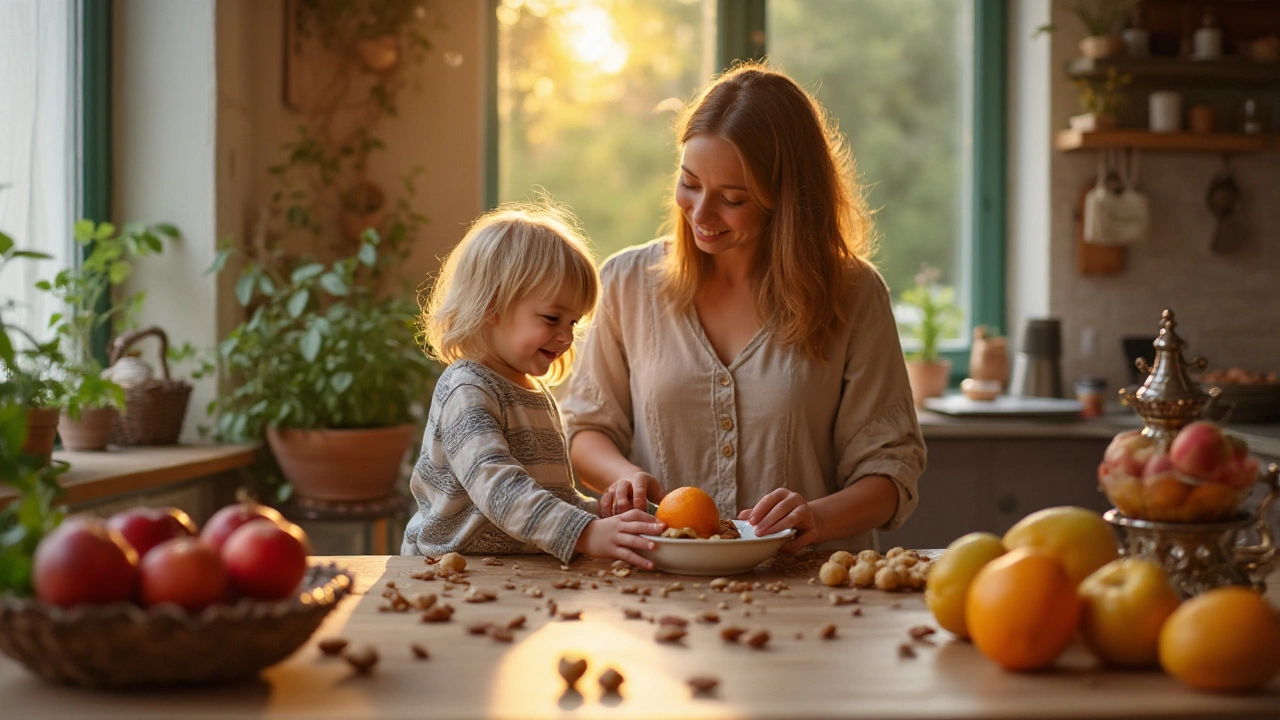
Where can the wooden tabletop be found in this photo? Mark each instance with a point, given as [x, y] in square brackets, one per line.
[860, 673]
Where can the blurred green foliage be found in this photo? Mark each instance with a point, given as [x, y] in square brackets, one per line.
[893, 73]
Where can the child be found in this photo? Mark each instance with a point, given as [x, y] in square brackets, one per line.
[494, 475]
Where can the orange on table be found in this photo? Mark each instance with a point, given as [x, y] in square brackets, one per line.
[1226, 639]
[690, 507]
[1022, 609]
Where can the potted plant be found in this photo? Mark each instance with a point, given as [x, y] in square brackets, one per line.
[931, 315]
[1102, 20]
[26, 367]
[92, 306]
[1100, 101]
[329, 371]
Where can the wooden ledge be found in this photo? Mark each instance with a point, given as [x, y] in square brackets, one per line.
[97, 475]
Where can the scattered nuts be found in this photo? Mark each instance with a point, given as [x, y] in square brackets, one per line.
[906, 651]
[479, 628]
[610, 680]
[702, 597]
[826, 632]
[419, 651]
[887, 578]
[534, 591]
[621, 572]
[669, 633]
[857, 612]
[424, 575]
[757, 639]
[896, 605]
[362, 658]
[572, 669]
[708, 617]
[332, 646]
[422, 601]
[500, 634]
[570, 614]
[673, 620]
[719, 583]
[491, 561]
[745, 597]
[628, 589]
[515, 623]
[863, 575]
[476, 595]
[631, 613]
[703, 684]
[730, 633]
[920, 632]
[508, 586]
[438, 613]
[452, 562]
[838, 599]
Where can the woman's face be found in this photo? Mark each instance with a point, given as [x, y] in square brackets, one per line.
[712, 193]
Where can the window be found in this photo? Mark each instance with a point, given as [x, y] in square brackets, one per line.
[585, 90]
[39, 171]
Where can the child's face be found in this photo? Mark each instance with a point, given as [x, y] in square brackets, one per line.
[532, 334]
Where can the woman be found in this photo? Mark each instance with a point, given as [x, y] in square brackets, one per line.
[753, 353]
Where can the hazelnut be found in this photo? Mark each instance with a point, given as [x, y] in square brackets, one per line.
[757, 639]
[491, 561]
[515, 623]
[332, 646]
[453, 562]
[362, 658]
[833, 574]
[703, 684]
[826, 632]
[673, 620]
[571, 669]
[868, 556]
[610, 680]
[863, 574]
[843, 557]
[887, 578]
[730, 633]
[669, 633]
[894, 552]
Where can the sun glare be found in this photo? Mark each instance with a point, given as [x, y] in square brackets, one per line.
[592, 36]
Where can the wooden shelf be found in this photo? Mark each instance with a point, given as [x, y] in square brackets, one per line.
[1067, 140]
[1233, 71]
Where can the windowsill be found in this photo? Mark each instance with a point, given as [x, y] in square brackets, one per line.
[97, 475]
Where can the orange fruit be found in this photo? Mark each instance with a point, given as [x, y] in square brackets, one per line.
[690, 507]
[1022, 609]
[1226, 639]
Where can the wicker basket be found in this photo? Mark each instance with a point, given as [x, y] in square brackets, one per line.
[154, 409]
[126, 646]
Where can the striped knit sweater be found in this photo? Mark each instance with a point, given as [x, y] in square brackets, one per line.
[494, 475]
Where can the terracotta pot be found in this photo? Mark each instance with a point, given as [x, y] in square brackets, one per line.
[342, 465]
[1101, 46]
[91, 432]
[1094, 122]
[379, 54]
[928, 379]
[42, 429]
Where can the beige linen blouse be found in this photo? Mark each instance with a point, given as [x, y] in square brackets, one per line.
[649, 379]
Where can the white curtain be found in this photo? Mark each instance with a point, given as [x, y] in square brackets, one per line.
[39, 162]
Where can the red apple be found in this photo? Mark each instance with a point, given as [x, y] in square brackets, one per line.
[146, 527]
[84, 561]
[1129, 452]
[228, 519]
[184, 571]
[1159, 464]
[1200, 449]
[266, 560]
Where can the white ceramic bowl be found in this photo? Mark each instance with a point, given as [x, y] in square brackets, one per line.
[684, 556]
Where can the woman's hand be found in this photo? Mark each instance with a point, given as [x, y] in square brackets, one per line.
[618, 537]
[780, 510]
[631, 492]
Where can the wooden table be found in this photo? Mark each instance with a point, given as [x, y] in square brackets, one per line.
[857, 674]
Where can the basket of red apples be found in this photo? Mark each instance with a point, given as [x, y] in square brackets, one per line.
[143, 599]
[1205, 476]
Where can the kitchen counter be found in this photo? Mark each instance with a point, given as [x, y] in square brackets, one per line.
[859, 673]
[1263, 439]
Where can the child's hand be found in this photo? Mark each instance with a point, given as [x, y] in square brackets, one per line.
[631, 492]
[780, 510]
[615, 537]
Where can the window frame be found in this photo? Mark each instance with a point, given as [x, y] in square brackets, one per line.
[741, 35]
[93, 142]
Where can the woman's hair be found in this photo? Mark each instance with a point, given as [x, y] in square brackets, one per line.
[507, 253]
[799, 170]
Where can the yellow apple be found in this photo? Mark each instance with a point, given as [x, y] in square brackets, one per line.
[951, 574]
[1125, 604]
[1080, 539]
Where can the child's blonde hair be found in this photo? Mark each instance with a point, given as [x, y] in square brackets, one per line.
[506, 254]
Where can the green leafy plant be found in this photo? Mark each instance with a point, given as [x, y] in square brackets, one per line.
[26, 364]
[1099, 17]
[93, 306]
[320, 350]
[933, 313]
[35, 512]
[1105, 97]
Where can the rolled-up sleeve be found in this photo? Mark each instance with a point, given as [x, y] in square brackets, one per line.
[598, 394]
[876, 431]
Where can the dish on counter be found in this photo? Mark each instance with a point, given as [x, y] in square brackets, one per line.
[688, 556]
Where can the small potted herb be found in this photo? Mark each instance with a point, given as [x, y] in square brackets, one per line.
[928, 314]
[1101, 20]
[328, 371]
